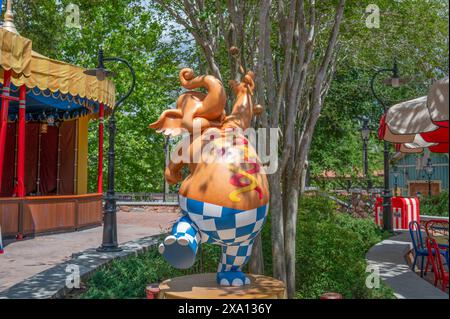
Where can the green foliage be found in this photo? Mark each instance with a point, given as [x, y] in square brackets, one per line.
[435, 205]
[132, 30]
[331, 250]
[128, 278]
[422, 55]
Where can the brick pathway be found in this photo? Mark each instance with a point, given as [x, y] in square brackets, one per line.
[23, 259]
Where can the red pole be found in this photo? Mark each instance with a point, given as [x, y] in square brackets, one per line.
[4, 119]
[21, 143]
[101, 114]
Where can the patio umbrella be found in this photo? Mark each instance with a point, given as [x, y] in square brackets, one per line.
[420, 123]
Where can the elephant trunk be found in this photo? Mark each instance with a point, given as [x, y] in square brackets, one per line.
[213, 104]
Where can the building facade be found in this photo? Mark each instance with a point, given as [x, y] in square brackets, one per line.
[408, 176]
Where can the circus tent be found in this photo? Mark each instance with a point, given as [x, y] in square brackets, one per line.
[46, 106]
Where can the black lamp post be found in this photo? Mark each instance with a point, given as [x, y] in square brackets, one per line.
[365, 133]
[109, 243]
[429, 170]
[396, 176]
[395, 82]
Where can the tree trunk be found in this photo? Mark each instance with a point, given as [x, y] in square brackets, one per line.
[290, 232]
[277, 225]
[256, 263]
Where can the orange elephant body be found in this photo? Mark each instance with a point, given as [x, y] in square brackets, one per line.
[224, 199]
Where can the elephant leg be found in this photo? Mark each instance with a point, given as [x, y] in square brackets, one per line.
[234, 257]
[180, 248]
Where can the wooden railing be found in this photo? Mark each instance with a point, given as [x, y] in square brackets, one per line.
[47, 214]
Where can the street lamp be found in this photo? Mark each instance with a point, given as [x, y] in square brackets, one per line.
[365, 133]
[429, 170]
[109, 243]
[396, 176]
[394, 81]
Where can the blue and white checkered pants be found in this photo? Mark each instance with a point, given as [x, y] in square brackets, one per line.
[234, 230]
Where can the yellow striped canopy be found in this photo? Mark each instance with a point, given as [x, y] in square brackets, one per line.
[37, 71]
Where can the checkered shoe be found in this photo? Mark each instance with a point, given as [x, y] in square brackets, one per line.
[180, 248]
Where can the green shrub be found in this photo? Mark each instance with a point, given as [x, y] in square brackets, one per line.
[435, 205]
[331, 250]
[127, 278]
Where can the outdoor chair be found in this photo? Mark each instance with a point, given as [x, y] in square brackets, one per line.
[436, 262]
[438, 230]
[420, 250]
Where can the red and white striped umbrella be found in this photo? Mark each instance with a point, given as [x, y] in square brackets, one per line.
[420, 123]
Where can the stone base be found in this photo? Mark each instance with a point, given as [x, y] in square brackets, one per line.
[204, 286]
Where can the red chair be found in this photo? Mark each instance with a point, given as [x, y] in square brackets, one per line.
[436, 262]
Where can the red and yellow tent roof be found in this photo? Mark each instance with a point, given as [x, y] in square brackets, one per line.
[53, 83]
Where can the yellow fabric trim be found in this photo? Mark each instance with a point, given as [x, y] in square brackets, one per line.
[35, 70]
[82, 167]
[15, 53]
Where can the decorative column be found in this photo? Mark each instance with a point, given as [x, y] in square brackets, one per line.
[4, 119]
[21, 143]
[101, 115]
[58, 163]
[38, 179]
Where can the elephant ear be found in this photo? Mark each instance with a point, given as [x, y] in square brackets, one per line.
[169, 123]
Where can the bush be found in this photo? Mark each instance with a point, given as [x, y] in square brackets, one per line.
[435, 205]
[127, 278]
[330, 251]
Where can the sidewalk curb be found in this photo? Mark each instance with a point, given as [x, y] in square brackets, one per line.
[51, 283]
[389, 257]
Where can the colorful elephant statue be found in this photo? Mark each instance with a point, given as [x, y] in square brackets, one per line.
[224, 199]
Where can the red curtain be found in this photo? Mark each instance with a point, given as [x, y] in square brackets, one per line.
[67, 133]
[9, 161]
[49, 161]
[31, 149]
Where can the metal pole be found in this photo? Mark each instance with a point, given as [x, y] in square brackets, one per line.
[109, 243]
[387, 213]
[395, 185]
[366, 165]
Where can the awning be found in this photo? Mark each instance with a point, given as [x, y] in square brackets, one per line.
[62, 81]
[419, 123]
[15, 53]
[438, 103]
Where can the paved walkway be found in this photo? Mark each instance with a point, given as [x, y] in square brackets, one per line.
[389, 257]
[23, 259]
